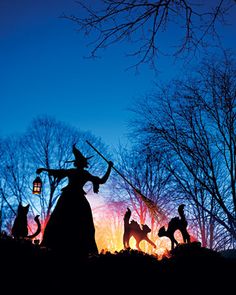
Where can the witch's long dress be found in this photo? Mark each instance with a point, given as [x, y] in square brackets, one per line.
[71, 227]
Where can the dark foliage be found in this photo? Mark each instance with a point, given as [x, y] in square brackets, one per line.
[190, 269]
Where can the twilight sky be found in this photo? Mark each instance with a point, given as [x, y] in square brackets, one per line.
[43, 71]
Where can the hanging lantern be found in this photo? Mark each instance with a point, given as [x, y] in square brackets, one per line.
[37, 186]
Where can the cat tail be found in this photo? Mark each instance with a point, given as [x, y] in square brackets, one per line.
[181, 212]
[38, 230]
[127, 217]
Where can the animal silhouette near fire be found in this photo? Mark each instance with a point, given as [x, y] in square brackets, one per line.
[134, 229]
[176, 223]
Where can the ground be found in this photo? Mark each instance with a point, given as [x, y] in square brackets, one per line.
[188, 269]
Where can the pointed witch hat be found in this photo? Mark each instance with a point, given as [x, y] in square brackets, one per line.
[79, 157]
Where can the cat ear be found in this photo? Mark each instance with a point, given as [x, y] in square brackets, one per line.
[26, 207]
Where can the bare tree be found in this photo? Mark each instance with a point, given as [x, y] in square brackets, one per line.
[148, 175]
[14, 178]
[144, 23]
[15, 170]
[48, 143]
[193, 123]
[1, 196]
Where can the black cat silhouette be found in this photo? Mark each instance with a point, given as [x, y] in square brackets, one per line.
[176, 223]
[20, 225]
[133, 229]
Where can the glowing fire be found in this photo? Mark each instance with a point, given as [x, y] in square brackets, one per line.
[109, 229]
[111, 239]
[109, 234]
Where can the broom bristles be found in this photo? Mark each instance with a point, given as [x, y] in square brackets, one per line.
[152, 207]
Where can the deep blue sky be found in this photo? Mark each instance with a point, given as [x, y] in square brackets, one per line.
[43, 71]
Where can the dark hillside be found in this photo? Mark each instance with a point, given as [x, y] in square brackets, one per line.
[191, 269]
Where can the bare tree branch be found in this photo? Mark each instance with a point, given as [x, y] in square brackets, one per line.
[143, 23]
[193, 124]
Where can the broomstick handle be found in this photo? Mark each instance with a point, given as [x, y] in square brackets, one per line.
[147, 201]
[117, 171]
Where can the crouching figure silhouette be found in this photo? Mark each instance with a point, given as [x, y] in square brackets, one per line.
[176, 223]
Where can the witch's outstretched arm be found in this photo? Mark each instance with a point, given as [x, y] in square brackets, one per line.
[60, 173]
[101, 180]
[107, 174]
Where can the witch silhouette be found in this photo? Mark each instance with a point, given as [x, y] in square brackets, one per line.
[70, 226]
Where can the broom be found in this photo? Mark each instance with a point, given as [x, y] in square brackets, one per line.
[152, 207]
